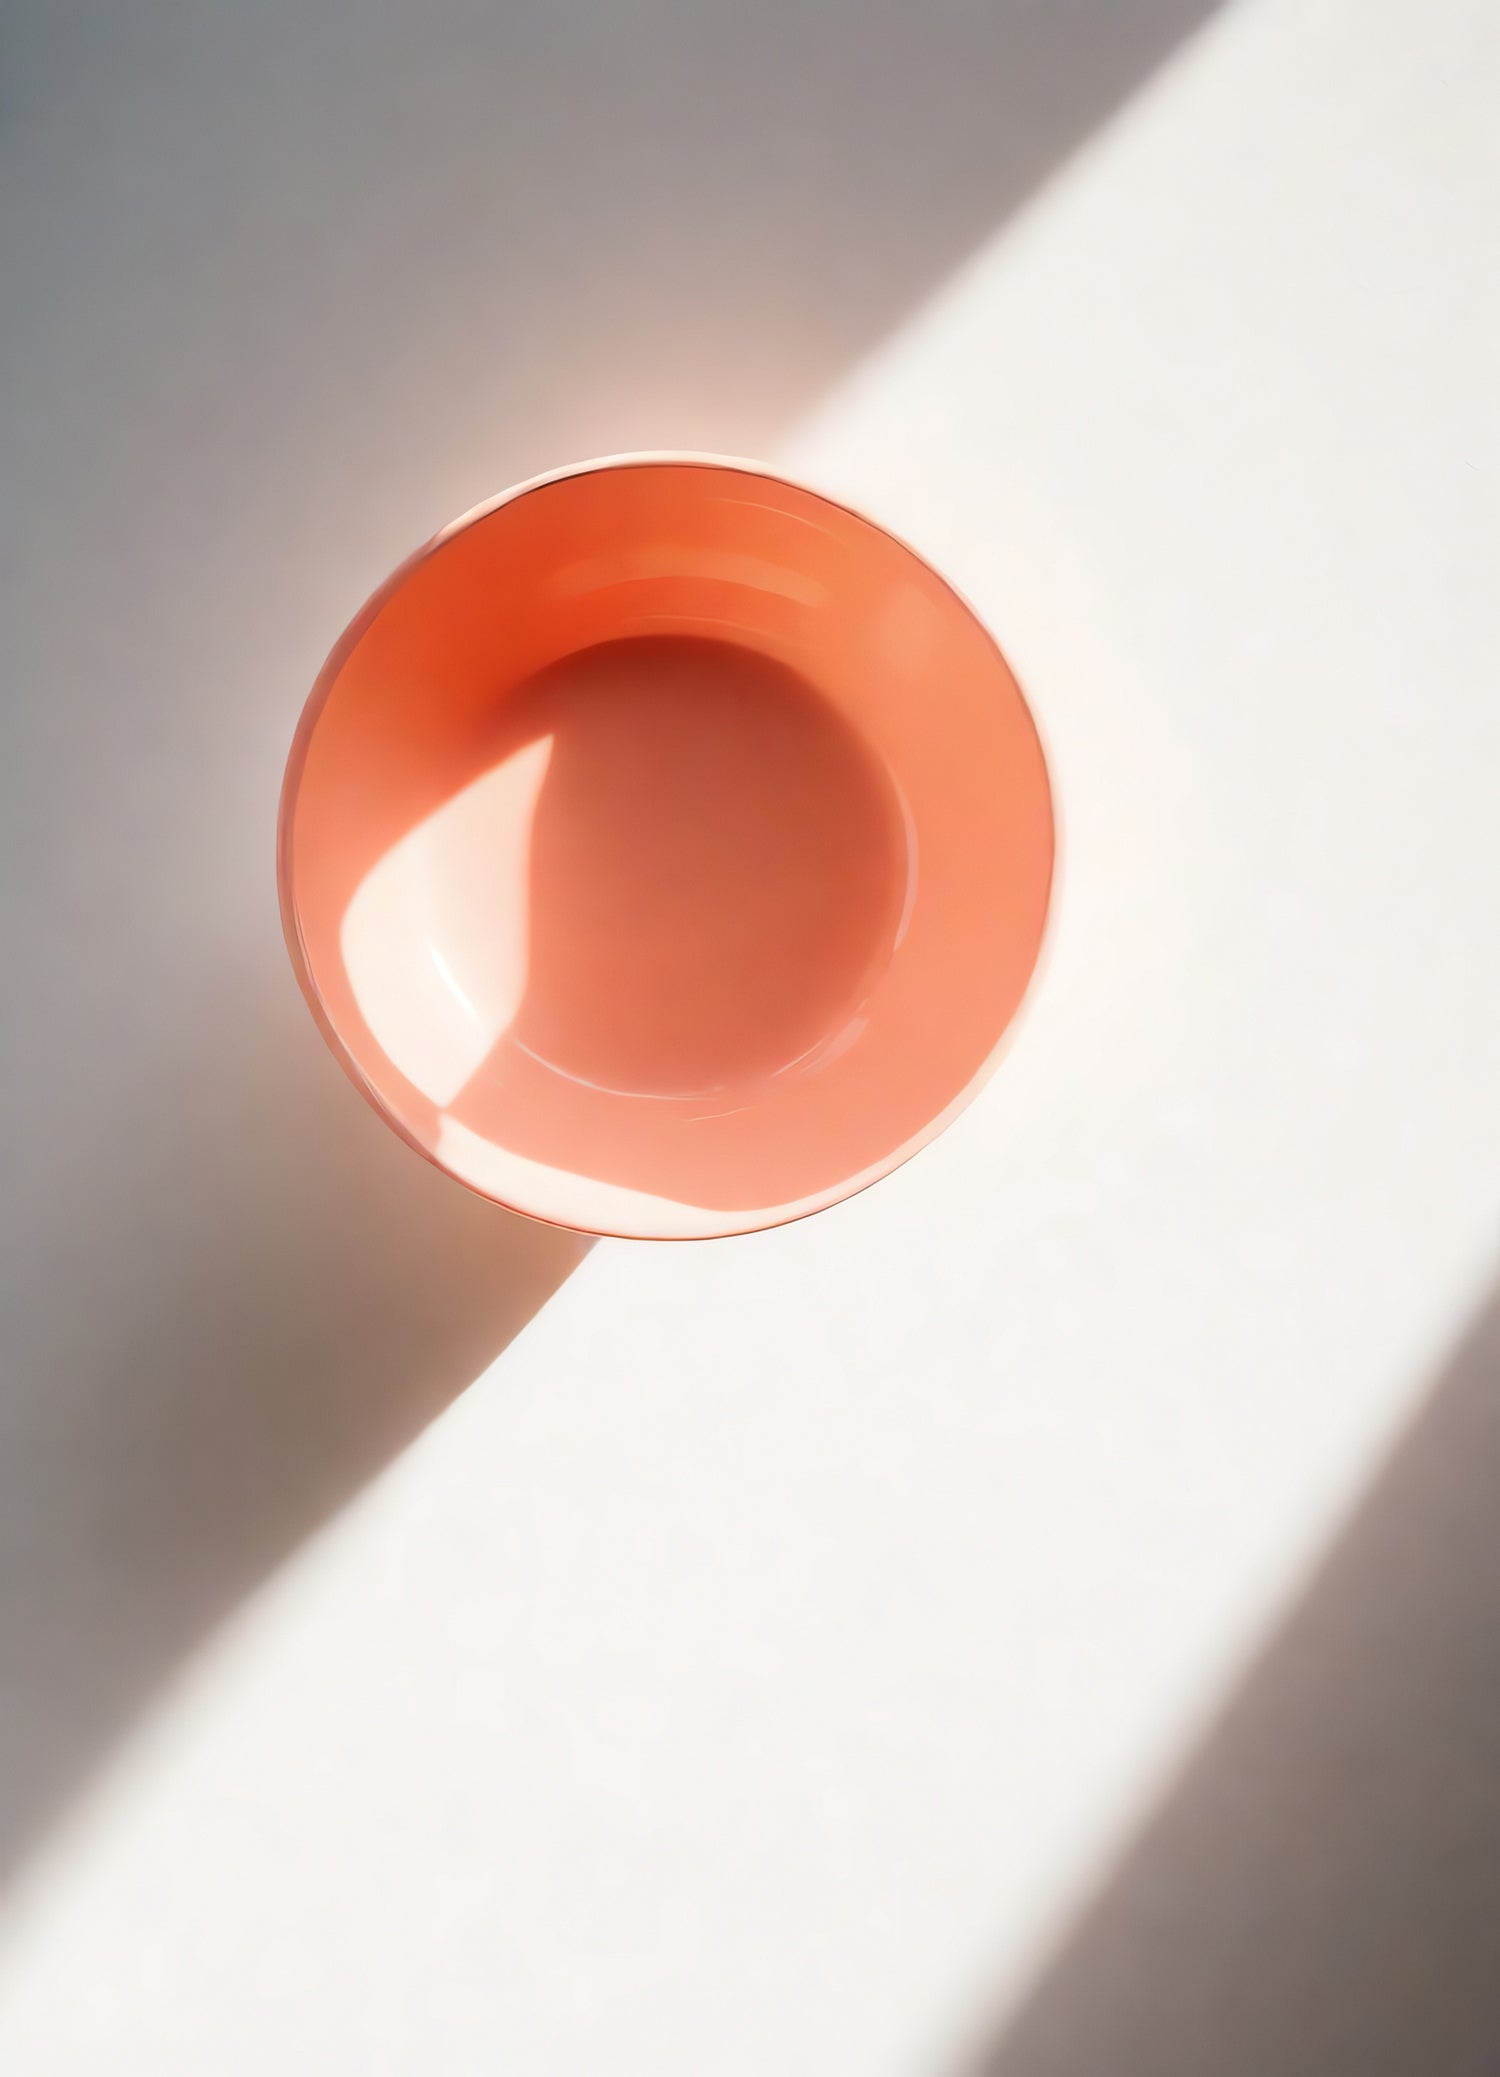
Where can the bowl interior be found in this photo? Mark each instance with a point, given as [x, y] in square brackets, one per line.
[665, 850]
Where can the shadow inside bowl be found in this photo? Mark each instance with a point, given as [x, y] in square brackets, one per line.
[675, 876]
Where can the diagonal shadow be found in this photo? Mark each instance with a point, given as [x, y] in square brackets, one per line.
[284, 289]
[1320, 1895]
[563, 226]
[262, 1299]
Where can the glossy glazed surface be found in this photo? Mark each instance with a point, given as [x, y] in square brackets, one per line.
[665, 850]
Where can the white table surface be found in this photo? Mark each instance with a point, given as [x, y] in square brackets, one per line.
[758, 1668]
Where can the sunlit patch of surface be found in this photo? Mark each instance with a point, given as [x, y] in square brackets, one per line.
[436, 941]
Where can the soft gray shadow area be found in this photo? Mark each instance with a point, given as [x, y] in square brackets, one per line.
[1320, 1895]
[536, 230]
[283, 287]
[256, 1301]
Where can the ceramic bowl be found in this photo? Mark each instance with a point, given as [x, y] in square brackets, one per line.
[665, 849]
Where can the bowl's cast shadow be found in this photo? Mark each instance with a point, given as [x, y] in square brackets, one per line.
[268, 1297]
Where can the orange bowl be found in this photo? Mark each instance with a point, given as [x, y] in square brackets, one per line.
[664, 849]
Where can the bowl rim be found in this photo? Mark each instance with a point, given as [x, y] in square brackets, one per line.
[328, 676]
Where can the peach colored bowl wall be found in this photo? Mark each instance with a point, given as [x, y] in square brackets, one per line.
[665, 849]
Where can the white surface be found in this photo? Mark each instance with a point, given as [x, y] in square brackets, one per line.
[753, 1670]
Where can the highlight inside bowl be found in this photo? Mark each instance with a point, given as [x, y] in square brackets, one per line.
[665, 849]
